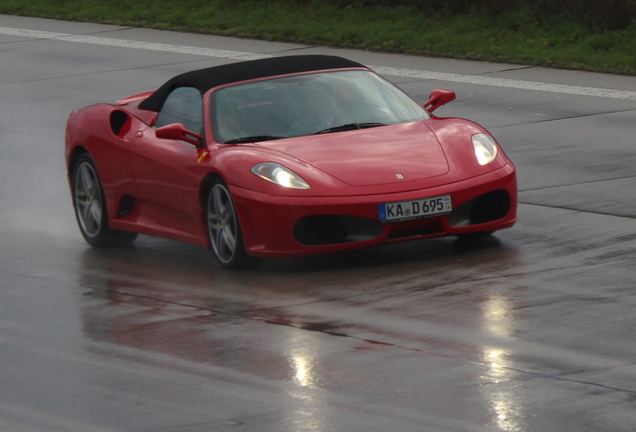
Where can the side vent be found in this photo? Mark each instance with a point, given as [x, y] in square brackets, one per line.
[125, 206]
[120, 123]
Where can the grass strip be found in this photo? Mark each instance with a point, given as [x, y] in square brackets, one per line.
[514, 37]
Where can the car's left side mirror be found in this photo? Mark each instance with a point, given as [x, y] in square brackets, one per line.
[439, 98]
[178, 132]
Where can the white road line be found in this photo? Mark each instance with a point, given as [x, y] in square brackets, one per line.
[510, 83]
[410, 73]
[150, 46]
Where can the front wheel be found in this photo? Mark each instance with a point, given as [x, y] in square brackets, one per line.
[224, 230]
[90, 207]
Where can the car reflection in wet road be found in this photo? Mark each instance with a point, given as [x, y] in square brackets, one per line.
[279, 323]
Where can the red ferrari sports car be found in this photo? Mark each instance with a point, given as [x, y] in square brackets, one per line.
[283, 157]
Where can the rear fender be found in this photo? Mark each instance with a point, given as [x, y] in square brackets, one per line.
[105, 132]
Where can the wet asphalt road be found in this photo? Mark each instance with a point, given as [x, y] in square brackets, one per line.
[530, 330]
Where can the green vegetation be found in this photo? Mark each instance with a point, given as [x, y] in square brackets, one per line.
[513, 35]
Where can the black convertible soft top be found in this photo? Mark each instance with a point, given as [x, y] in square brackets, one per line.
[205, 79]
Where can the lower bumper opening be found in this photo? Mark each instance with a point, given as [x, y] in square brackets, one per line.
[415, 228]
[320, 230]
[485, 208]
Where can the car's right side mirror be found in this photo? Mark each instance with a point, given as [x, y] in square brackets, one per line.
[439, 98]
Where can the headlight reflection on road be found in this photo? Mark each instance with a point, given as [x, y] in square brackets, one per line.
[497, 313]
[302, 356]
[307, 409]
[302, 366]
[496, 359]
[499, 392]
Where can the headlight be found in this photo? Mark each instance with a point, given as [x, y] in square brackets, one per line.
[279, 175]
[485, 148]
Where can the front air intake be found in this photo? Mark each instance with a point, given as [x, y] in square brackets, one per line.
[485, 208]
[320, 230]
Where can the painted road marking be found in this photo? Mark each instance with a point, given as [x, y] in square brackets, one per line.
[509, 83]
[124, 43]
[383, 70]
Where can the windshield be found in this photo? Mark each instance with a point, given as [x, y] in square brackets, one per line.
[308, 104]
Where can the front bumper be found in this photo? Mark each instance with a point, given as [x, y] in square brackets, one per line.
[280, 227]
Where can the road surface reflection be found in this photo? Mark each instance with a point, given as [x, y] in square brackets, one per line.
[506, 405]
[267, 322]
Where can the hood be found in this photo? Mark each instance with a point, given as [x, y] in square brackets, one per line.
[374, 156]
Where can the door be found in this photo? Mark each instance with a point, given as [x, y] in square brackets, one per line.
[166, 183]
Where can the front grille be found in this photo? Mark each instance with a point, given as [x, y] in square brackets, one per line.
[333, 229]
[415, 228]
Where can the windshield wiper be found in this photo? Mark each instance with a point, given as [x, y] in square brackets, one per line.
[255, 138]
[349, 126]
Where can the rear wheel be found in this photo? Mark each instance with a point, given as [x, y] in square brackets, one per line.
[90, 207]
[224, 230]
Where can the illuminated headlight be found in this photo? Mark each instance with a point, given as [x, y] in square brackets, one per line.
[279, 175]
[485, 148]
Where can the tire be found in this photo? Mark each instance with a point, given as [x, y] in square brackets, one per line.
[90, 207]
[224, 230]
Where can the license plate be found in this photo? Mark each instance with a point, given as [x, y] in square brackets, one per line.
[415, 209]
